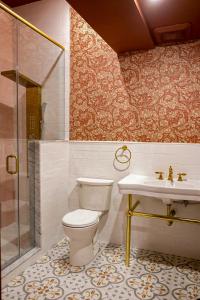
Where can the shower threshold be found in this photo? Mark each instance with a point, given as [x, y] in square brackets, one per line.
[18, 262]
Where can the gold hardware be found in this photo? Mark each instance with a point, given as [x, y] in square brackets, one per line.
[123, 149]
[12, 13]
[20, 78]
[128, 231]
[162, 217]
[170, 174]
[160, 173]
[180, 176]
[131, 212]
[16, 164]
[165, 218]
[33, 113]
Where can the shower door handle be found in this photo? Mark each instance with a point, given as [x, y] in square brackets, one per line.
[11, 157]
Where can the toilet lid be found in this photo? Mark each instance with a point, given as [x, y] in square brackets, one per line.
[81, 218]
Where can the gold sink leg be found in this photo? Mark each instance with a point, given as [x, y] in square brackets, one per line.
[131, 209]
[128, 231]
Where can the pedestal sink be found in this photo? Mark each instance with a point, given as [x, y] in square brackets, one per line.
[163, 189]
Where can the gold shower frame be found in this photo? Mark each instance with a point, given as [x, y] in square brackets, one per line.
[131, 212]
[12, 13]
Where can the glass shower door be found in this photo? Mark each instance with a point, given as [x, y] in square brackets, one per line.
[16, 146]
[32, 107]
[9, 183]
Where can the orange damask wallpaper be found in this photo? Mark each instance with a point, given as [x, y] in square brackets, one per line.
[142, 96]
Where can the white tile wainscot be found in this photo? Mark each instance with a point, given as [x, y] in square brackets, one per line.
[95, 159]
[53, 190]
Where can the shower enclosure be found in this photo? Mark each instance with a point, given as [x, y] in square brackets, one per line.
[31, 108]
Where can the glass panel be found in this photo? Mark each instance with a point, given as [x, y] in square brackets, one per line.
[53, 95]
[32, 97]
[40, 106]
[8, 140]
[26, 177]
[43, 63]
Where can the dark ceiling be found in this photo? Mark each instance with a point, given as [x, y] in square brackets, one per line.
[14, 3]
[138, 24]
[141, 24]
[159, 13]
[116, 22]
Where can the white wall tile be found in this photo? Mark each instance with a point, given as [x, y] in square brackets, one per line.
[95, 159]
[54, 190]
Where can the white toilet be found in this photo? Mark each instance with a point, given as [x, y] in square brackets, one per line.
[81, 225]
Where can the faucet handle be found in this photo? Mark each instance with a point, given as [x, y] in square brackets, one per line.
[180, 176]
[160, 173]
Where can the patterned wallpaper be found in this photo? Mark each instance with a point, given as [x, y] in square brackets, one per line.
[141, 96]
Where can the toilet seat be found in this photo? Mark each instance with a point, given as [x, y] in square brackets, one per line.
[81, 218]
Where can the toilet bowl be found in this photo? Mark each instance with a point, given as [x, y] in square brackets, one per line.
[81, 225]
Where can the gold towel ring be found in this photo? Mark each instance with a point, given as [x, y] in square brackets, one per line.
[122, 154]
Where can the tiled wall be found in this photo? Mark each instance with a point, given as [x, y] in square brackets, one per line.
[53, 186]
[95, 159]
[144, 96]
[62, 162]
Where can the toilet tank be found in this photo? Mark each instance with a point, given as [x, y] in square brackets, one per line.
[95, 194]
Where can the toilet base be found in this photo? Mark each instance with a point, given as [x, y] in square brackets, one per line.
[84, 244]
[80, 256]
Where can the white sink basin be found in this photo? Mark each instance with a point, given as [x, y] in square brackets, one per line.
[168, 184]
[164, 189]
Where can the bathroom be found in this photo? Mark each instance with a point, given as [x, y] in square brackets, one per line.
[111, 104]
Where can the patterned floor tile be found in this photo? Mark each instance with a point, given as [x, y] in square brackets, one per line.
[150, 276]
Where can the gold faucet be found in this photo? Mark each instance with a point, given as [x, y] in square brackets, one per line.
[170, 175]
[160, 173]
[180, 176]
